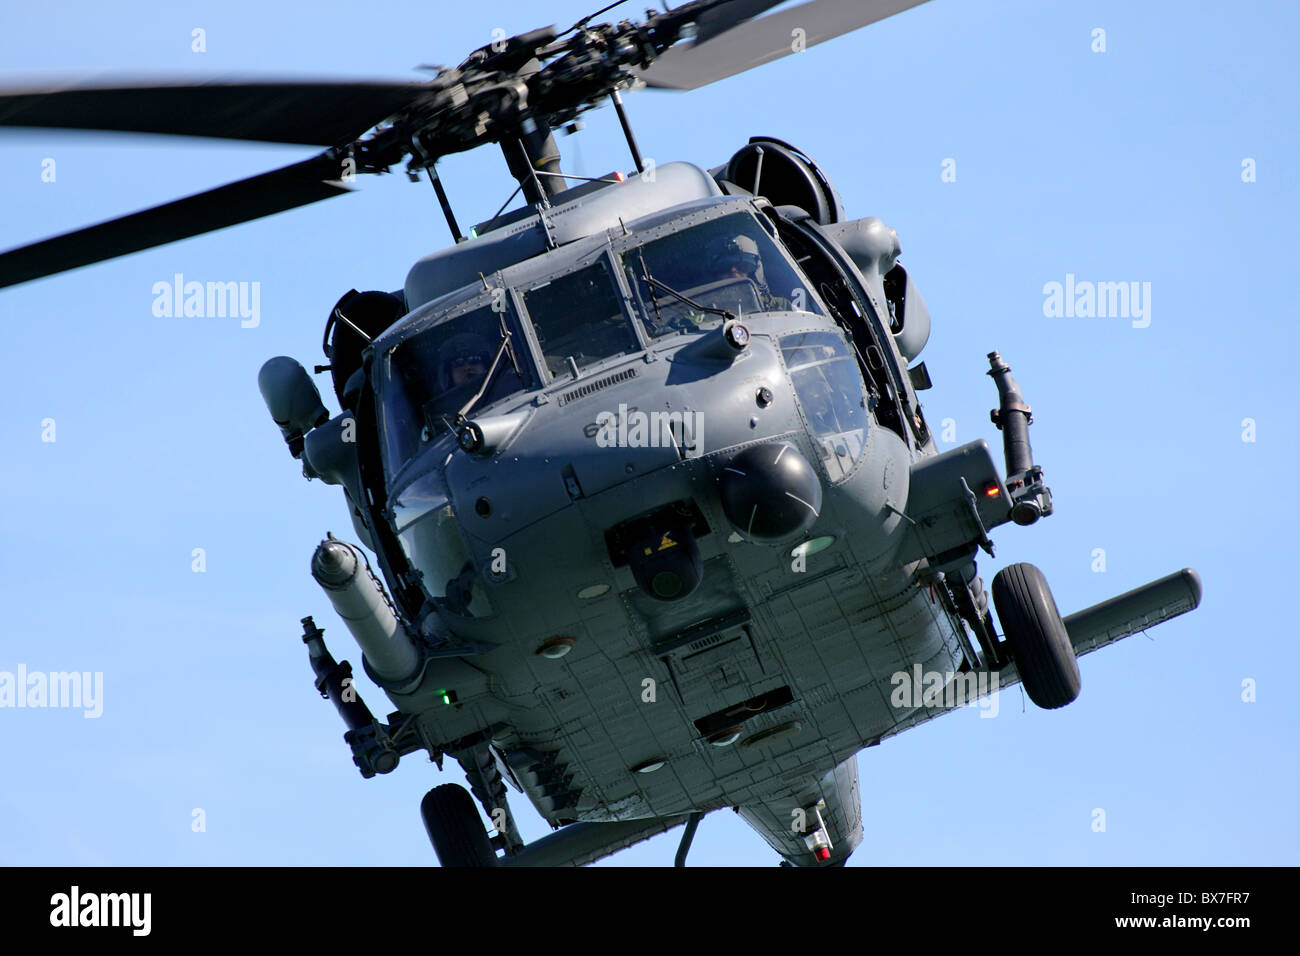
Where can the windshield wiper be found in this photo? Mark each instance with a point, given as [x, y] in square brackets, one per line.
[655, 283]
[654, 299]
[505, 348]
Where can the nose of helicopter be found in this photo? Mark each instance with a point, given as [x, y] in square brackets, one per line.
[770, 493]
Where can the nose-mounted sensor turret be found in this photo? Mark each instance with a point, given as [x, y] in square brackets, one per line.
[661, 550]
[770, 493]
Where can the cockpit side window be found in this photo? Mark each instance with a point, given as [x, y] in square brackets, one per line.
[729, 263]
[427, 528]
[579, 316]
[432, 375]
[866, 331]
[831, 392]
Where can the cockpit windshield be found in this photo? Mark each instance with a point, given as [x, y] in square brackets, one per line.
[729, 263]
[432, 375]
[579, 317]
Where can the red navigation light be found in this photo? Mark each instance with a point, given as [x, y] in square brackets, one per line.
[823, 853]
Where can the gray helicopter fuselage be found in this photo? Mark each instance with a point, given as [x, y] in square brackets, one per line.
[641, 462]
[781, 663]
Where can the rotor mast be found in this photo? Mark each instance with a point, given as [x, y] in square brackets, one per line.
[534, 160]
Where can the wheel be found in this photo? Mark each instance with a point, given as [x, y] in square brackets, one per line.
[1039, 642]
[454, 828]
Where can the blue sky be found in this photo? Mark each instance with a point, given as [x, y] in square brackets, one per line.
[1123, 165]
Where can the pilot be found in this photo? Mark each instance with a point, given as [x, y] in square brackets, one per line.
[738, 257]
[463, 360]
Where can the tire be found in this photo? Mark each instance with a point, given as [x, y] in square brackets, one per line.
[1039, 643]
[454, 828]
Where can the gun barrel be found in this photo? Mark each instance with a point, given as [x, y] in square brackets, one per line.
[333, 679]
[1012, 417]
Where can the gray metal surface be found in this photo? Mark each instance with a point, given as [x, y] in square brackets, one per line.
[758, 689]
[669, 185]
[1133, 611]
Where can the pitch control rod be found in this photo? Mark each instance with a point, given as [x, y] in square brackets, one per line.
[1031, 499]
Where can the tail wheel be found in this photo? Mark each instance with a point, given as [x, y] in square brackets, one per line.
[1039, 642]
[454, 828]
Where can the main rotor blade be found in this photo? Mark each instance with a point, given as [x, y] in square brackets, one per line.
[247, 199]
[727, 15]
[292, 111]
[755, 42]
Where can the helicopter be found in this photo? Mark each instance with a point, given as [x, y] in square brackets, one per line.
[706, 515]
